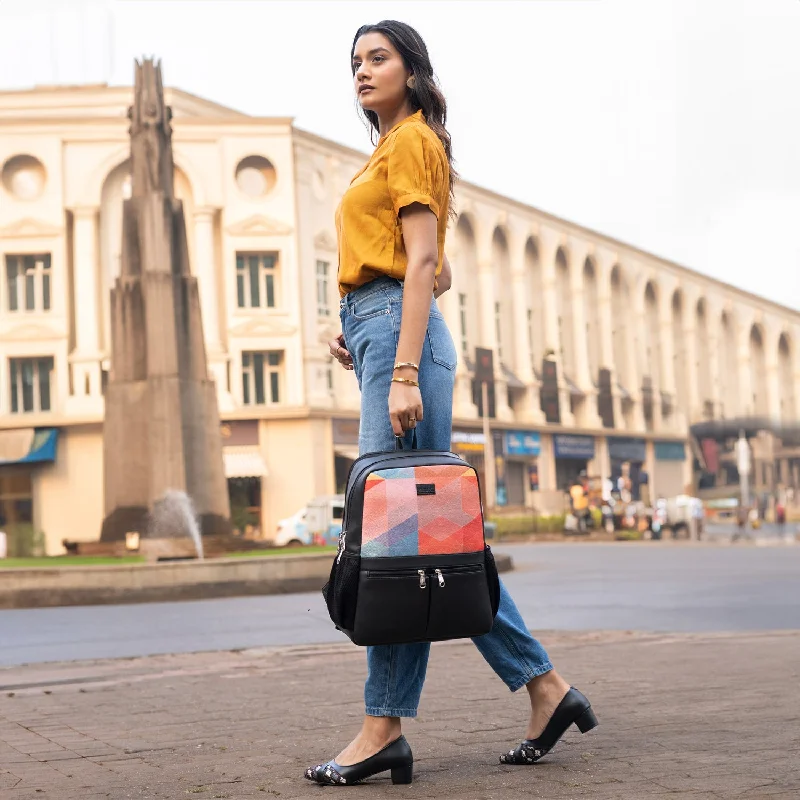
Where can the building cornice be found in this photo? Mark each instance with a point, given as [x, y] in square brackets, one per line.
[568, 226]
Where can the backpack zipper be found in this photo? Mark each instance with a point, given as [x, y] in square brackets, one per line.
[439, 576]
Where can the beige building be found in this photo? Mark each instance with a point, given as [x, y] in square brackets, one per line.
[622, 349]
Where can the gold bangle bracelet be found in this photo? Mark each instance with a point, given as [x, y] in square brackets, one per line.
[405, 380]
[411, 364]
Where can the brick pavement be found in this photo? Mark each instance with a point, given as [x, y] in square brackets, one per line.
[694, 716]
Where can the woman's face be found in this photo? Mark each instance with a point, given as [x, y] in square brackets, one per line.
[379, 74]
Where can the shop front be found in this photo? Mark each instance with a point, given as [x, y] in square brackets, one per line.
[245, 470]
[345, 449]
[522, 449]
[22, 452]
[572, 455]
[627, 457]
[670, 463]
[469, 444]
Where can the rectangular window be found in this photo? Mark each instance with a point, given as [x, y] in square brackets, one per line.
[497, 330]
[323, 306]
[31, 384]
[256, 280]
[28, 282]
[462, 313]
[261, 377]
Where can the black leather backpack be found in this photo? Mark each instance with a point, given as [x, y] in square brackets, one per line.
[413, 564]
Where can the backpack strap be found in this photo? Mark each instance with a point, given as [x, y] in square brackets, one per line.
[398, 441]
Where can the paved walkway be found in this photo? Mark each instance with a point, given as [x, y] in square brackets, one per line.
[689, 716]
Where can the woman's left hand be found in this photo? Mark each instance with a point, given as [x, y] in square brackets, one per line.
[405, 407]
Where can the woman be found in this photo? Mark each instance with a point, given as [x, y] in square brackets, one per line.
[391, 226]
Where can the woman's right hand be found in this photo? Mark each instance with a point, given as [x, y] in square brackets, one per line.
[340, 352]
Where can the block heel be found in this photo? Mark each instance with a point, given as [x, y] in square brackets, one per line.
[586, 721]
[403, 774]
[574, 709]
[395, 757]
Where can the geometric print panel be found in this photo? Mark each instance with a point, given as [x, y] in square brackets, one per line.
[399, 522]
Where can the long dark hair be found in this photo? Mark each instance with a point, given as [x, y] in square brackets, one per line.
[425, 95]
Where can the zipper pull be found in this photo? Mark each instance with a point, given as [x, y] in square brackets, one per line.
[341, 546]
[422, 583]
[439, 576]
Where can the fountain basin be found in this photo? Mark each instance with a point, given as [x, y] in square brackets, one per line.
[169, 580]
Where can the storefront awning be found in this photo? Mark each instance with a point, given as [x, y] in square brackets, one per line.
[244, 461]
[28, 445]
[346, 451]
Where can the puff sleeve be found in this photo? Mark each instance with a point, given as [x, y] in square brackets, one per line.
[415, 171]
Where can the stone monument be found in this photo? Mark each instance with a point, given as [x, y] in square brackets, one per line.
[161, 439]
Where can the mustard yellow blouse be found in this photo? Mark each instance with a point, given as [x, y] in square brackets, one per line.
[409, 165]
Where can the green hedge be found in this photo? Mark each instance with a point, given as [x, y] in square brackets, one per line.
[23, 541]
[526, 524]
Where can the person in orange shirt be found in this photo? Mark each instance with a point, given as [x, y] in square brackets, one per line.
[391, 227]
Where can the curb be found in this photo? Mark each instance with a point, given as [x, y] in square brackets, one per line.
[170, 581]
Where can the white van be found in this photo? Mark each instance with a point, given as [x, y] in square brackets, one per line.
[320, 522]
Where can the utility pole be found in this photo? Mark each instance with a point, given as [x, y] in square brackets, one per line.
[743, 465]
[488, 449]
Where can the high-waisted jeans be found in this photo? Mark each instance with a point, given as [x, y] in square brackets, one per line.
[371, 318]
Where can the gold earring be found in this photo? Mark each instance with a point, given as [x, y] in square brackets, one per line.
[411, 82]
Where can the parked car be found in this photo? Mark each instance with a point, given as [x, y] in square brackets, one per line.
[319, 522]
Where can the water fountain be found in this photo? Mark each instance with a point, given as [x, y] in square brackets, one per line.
[172, 527]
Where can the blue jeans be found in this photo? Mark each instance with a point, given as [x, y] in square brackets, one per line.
[371, 318]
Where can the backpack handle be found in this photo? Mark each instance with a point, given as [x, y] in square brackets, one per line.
[398, 441]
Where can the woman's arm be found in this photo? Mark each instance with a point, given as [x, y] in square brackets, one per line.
[444, 279]
[419, 238]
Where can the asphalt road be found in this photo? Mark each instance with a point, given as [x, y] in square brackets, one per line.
[645, 586]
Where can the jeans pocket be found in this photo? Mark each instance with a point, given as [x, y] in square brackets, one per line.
[373, 305]
[443, 351]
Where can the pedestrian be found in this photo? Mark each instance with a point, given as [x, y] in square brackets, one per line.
[391, 226]
[780, 516]
[579, 501]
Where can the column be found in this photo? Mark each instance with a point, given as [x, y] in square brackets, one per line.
[548, 247]
[489, 339]
[532, 407]
[605, 261]
[578, 253]
[796, 370]
[85, 359]
[692, 402]
[713, 314]
[744, 367]
[637, 336]
[773, 373]
[583, 376]
[208, 289]
[667, 354]
[207, 277]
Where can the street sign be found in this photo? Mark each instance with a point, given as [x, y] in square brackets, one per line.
[549, 391]
[484, 365]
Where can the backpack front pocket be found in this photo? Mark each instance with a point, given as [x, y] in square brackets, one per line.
[460, 605]
[392, 606]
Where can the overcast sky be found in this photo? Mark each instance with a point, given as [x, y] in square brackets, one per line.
[672, 125]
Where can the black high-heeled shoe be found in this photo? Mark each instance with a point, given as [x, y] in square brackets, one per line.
[396, 757]
[573, 709]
